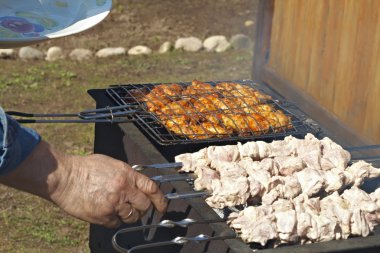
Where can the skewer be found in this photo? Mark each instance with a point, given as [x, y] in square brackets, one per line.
[187, 195]
[139, 167]
[360, 148]
[172, 178]
[175, 241]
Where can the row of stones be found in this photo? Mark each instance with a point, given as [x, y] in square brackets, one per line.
[217, 43]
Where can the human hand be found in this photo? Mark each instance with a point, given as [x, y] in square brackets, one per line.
[105, 191]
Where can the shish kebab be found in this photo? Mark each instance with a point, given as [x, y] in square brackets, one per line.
[260, 172]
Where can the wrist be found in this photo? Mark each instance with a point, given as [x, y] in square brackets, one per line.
[42, 173]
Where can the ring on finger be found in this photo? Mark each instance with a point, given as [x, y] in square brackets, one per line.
[130, 213]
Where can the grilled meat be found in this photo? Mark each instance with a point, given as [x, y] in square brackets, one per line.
[201, 110]
[299, 169]
[306, 220]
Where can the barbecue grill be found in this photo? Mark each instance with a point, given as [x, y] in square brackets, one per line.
[131, 143]
[275, 71]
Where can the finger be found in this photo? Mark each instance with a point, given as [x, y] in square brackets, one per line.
[140, 201]
[113, 222]
[127, 213]
[151, 190]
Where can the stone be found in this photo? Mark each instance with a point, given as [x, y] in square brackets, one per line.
[165, 47]
[190, 44]
[80, 54]
[217, 43]
[249, 23]
[30, 53]
[54, 54]
[138, 50]
[110, 51]
[7, 53]
[241, 41]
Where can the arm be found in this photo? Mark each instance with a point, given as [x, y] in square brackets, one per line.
[94, 188]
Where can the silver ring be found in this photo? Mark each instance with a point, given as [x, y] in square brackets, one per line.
[130, 213]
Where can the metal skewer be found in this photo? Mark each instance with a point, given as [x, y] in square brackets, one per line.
[170, 224]
[139, 167]
[187, 195]
[172, 178]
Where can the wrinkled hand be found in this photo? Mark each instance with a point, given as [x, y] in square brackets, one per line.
[105, 191]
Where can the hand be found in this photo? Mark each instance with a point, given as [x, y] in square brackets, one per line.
[95, 188]
[106, 191]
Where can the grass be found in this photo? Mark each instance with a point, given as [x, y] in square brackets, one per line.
[30, 224]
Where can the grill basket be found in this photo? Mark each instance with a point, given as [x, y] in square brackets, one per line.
[131, 95]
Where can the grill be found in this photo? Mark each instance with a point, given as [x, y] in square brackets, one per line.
[132, 143]
[130, 97]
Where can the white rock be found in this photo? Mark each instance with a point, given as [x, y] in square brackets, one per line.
[110, 51]
[7, 53]
[137, 50]
[190, 44]
[80, 54]
[30, 53]
[241, 41]
[249, 23]
[54, 54]
[166, 47]
[217, 43]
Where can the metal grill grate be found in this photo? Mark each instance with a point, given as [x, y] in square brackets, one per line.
[205, 112]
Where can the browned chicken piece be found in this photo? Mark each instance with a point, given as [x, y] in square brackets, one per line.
[161, 95]
[258, 108]
[223, 86]
[262, 96]
[228, 105]
[206, 104]
[196, 132]
[236, 89]
[277, 119]
[214, 118]
[171, 90]
[175, 123]
[242, 123]
[257, 122]
[244, 91]
[216, 129]
[244, 101]
[154, 104]
[179, 107]
[198, 88]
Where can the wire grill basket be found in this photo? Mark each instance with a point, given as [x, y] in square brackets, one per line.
[216, 111]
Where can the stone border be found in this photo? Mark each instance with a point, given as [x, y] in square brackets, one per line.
[217, 43]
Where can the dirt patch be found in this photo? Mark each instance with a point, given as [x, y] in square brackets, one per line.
[135, 22]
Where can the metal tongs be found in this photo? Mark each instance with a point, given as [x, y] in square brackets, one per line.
[115, 114]
[175, 241]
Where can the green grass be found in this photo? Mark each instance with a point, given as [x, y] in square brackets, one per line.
[29, 224]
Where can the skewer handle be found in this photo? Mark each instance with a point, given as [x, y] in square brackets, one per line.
[139, 167]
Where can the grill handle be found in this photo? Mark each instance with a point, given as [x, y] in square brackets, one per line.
[102, 115]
